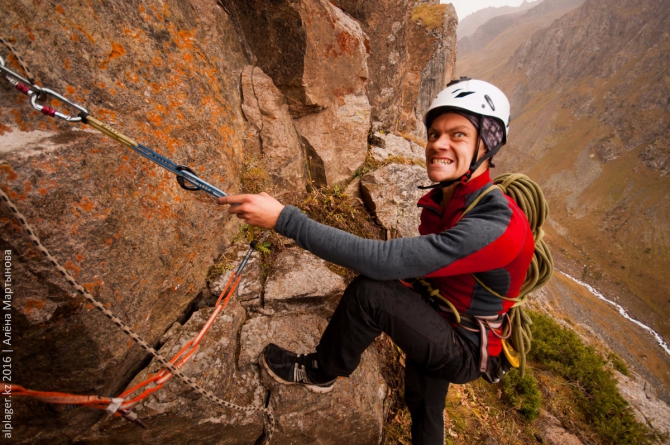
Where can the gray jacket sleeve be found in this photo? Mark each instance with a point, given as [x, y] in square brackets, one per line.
[379, 260]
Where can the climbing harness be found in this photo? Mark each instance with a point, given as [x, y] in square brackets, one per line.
[187, 179]
[513, 328]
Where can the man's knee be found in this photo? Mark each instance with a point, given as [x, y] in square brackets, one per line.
[364, 291]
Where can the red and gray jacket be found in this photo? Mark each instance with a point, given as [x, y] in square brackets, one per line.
[493, 241]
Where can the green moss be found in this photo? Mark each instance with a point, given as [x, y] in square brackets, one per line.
[430, 16]
[618, 363]
[522, 392]
[560, 351]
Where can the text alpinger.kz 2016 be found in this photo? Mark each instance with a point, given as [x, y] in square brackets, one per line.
[7, 350]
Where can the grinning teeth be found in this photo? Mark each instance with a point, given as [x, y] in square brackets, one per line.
[441, 161]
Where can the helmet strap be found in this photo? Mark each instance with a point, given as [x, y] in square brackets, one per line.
[474, 164]
[488, 155]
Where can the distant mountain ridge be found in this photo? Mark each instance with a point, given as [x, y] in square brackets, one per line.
[492, 28]
[468, 25]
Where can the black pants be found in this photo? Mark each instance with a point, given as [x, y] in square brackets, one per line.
[436, 354]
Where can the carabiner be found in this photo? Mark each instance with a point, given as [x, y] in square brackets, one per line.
[11, 75]
[183, 180]
[54, 113]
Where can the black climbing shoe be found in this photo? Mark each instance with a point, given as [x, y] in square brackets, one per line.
[289, 368]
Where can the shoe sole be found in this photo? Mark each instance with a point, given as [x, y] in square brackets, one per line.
[314, 388]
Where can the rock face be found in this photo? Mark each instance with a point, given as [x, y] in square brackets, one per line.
[175, 412]
[169, 78]
[209, 84]
[250, 287]
[384, 146]
[412, 54]
[351, 413]
[317, 56]
[391, 193]
[553, 432]
[266, 110]
[648, 409]
[303, 281]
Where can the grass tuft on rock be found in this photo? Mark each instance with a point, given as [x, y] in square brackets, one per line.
[430, 16]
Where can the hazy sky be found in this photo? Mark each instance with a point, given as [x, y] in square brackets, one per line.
[467, 7]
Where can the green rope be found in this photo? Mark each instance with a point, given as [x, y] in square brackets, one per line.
[530, 199]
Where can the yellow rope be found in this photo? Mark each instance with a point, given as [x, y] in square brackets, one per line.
[437, 294]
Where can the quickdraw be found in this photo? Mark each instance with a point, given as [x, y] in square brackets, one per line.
[186, 177]
[188, 180]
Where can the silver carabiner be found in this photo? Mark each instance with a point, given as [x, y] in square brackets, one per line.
[20, 83]
[53, 112]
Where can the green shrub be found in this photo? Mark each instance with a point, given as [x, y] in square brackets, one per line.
[561, 351]
[522, 392]
[618, 363]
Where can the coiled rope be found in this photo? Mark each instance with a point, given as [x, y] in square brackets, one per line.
[529, 197]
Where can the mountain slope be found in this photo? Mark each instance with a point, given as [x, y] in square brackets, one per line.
[590, 100]
[468, 25]
[537, 17]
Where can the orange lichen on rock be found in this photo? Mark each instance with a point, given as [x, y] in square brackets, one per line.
[42, 191]
[91, 286]
[83, 31]
[106, 114]
[346, 42]
[33, 304]
[155, 118]
[11, 174]
[117, 51]
[31, 36]
[4, 129]
[70, 266]
[85, 204]
[23, 126]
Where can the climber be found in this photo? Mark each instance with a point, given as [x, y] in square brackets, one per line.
[454, 338]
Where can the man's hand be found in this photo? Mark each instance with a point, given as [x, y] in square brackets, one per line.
[260, 210]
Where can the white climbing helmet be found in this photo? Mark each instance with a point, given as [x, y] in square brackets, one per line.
[475, 96]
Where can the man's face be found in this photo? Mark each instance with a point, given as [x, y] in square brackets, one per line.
[450, 147]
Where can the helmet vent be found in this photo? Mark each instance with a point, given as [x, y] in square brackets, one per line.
[465, 93]
[488, 99]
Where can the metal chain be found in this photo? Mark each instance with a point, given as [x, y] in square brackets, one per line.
[17, 56]
[127, 330]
